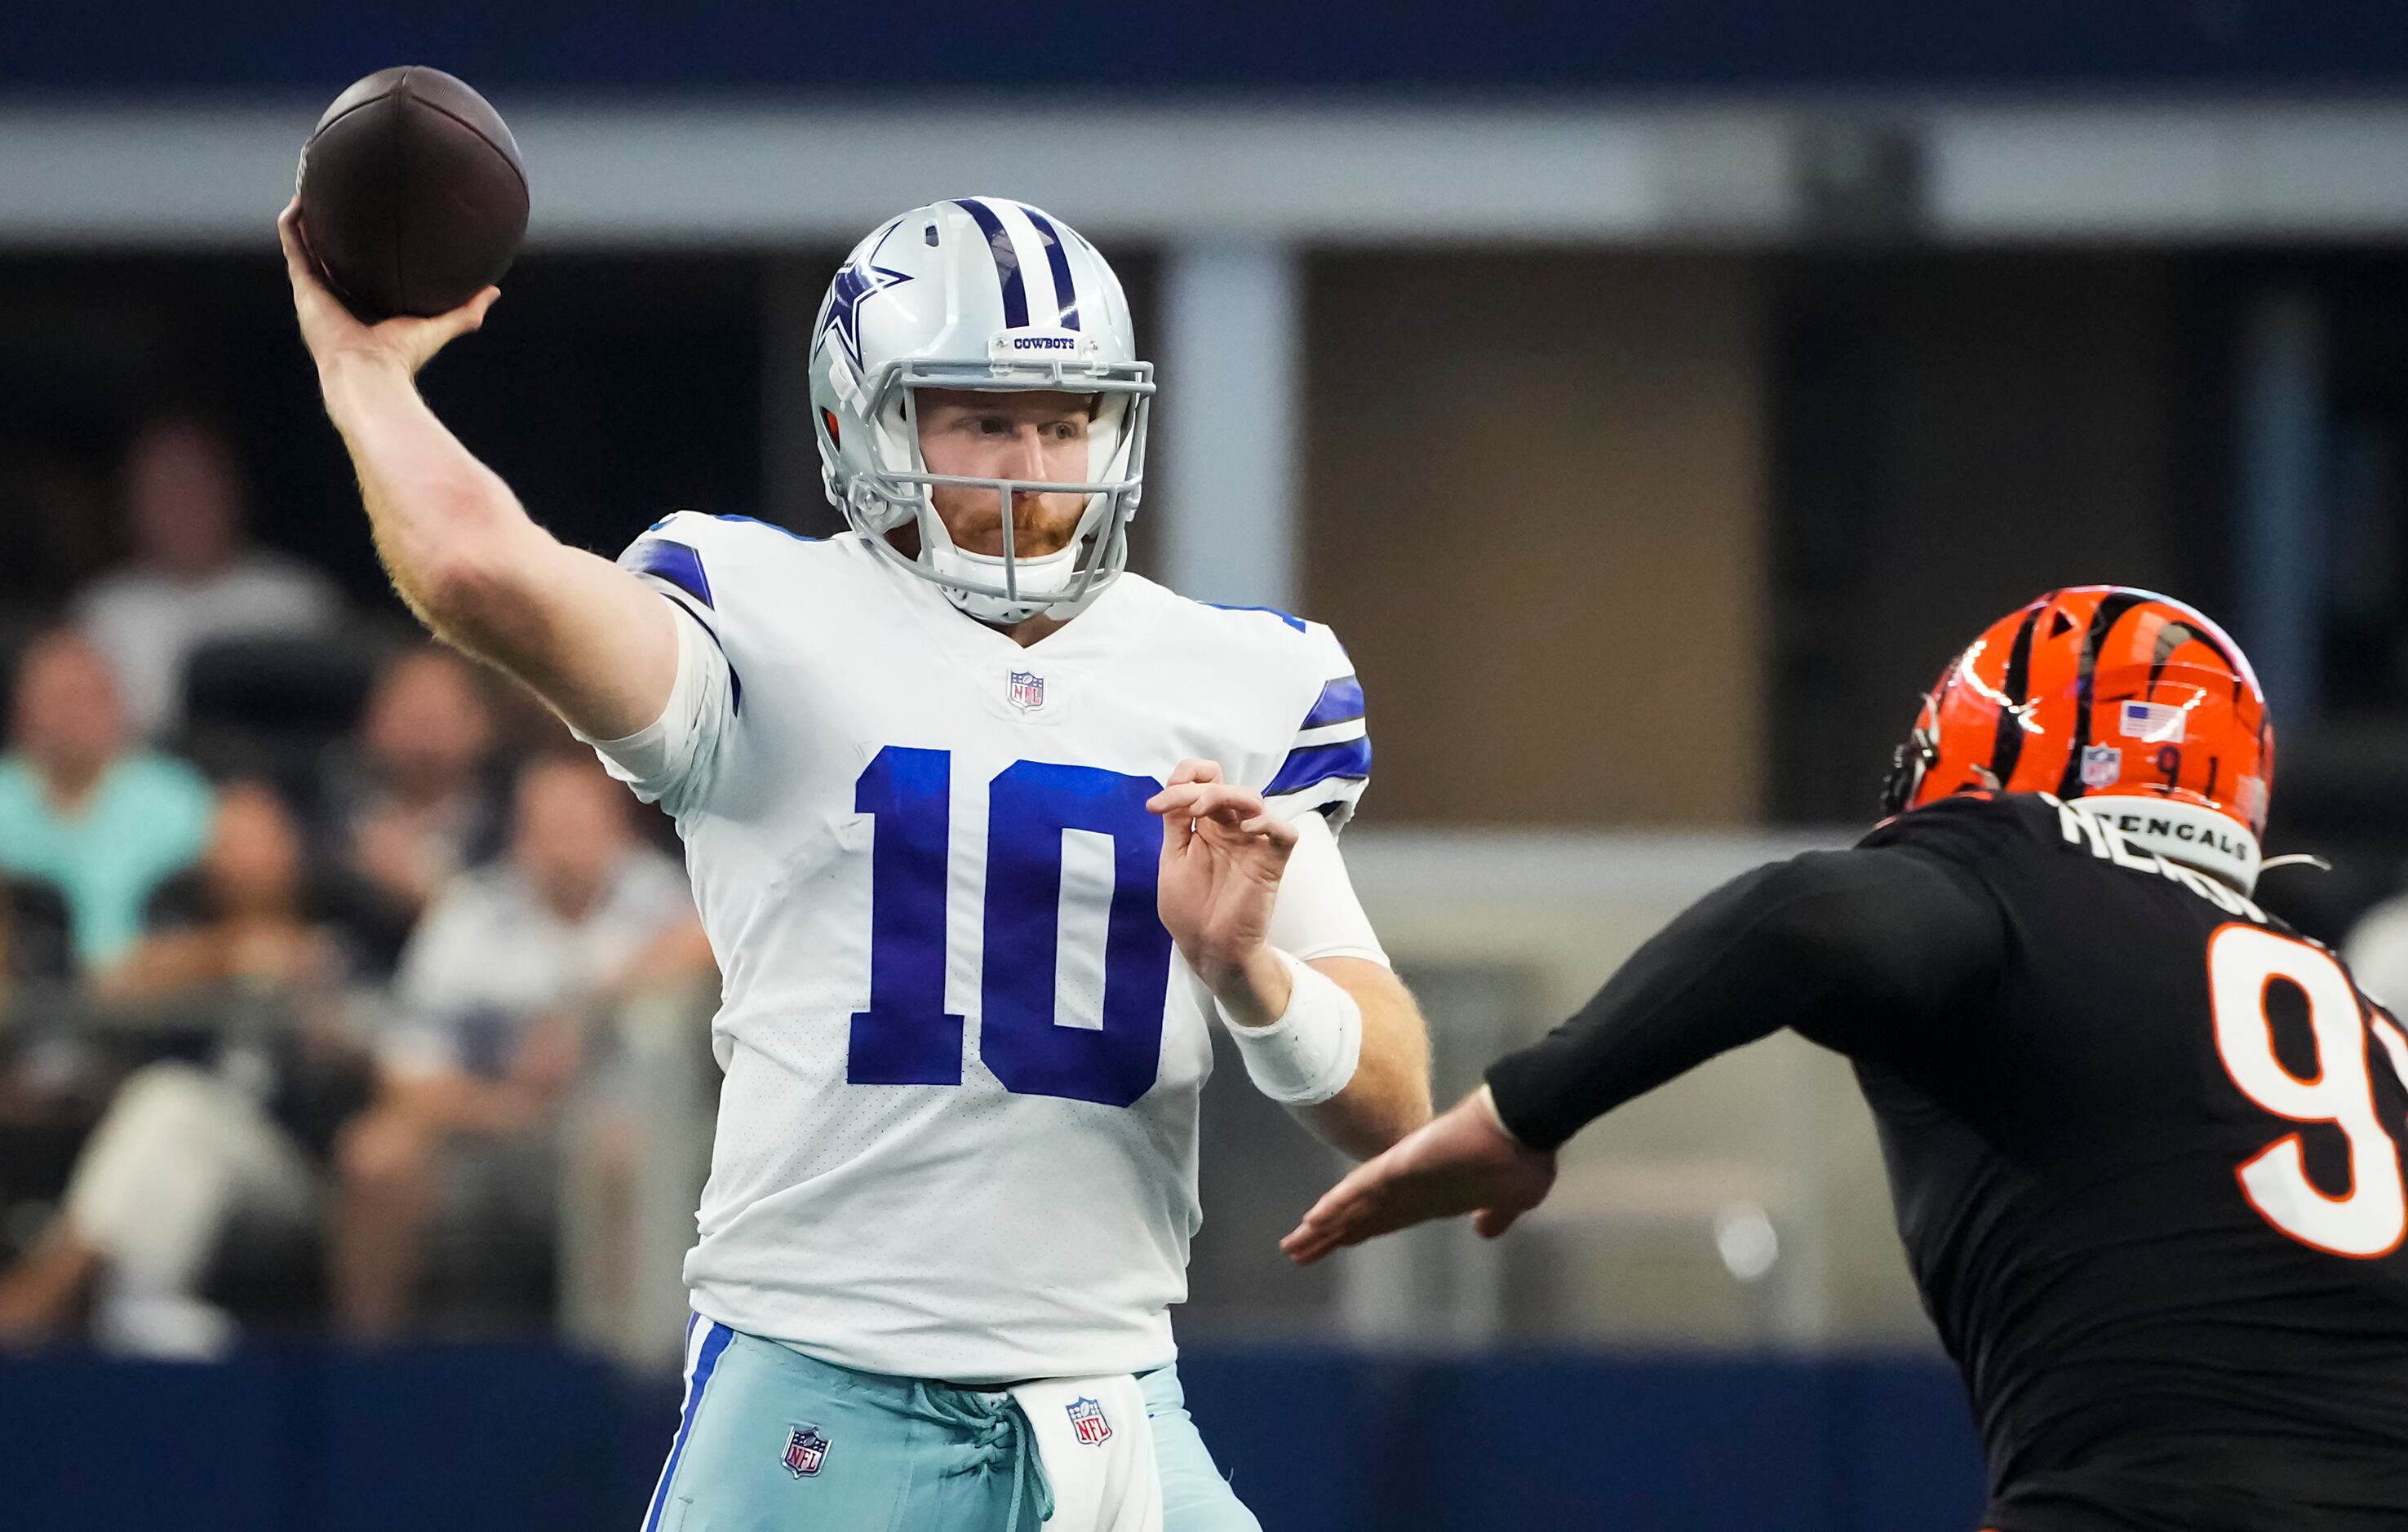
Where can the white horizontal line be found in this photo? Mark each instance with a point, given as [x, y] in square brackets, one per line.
[784, 175]
[1564, 866]
[643, 176]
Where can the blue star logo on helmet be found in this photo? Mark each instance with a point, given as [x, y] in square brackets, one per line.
[856, 286]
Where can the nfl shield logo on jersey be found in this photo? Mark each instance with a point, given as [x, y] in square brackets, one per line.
[1087, 1420]
[2101, 765]
[806, 1450]
[1028, 690]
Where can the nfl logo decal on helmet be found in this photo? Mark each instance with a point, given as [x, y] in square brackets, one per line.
[1087, 1420]
[979, 293]
[2100, 765]
[806, 1450]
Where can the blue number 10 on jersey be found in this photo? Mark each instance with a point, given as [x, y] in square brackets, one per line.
[906, 1037]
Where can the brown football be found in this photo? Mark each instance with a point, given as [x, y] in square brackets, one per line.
[412, 195]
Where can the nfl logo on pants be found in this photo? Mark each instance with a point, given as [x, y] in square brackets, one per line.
[1087, 1420]
[806, 1450]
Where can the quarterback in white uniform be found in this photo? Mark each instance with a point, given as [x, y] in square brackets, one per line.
[987, 833]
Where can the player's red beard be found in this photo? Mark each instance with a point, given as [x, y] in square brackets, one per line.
[1041, 523]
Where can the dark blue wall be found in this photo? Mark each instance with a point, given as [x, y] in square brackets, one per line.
[532, 1439]
[1236, 45]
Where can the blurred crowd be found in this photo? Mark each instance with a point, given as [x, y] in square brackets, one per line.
[311, 937]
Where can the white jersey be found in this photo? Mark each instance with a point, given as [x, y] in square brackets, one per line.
[957, 1133]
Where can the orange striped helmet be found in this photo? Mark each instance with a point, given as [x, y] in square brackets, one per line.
[2096, 691]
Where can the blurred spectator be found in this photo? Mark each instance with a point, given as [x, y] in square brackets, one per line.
[188, 1150]
[413, 800]
[195, 575]
[222, 921]
[79, 810]
[495, 993]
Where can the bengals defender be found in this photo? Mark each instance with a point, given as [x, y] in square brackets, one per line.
[2142, 1140]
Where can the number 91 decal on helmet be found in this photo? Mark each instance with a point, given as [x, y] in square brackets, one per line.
[2129, 699]
[979, 293]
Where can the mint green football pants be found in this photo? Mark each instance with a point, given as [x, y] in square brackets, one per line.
[772, 1440]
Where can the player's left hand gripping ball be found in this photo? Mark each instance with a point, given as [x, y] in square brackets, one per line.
[1222, 851]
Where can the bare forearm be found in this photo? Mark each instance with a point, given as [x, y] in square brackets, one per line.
[483, 576]
[439, 516]
[1390, 1094]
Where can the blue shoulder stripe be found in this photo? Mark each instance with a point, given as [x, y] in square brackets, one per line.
[1290, 618]
[1349, 759]
[1340, 702]
[674, 562]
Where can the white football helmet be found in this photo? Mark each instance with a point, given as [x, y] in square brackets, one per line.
[978, 293]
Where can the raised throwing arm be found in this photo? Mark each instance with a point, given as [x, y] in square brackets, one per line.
[585, 634]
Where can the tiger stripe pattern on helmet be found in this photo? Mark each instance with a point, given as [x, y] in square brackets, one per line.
[2096, 691]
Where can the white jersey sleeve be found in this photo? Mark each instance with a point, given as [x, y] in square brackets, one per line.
[671, 761]
[1317, 914]
[1329, 763]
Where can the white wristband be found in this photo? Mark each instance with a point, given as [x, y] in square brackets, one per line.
[1308, 1054]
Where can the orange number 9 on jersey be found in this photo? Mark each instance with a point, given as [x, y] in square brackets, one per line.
[2371, 1219]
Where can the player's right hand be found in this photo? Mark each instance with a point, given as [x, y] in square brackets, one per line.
[332, 333]
[1462, 1162]
[1223, 853]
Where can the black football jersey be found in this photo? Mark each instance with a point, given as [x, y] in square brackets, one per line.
[2142, 1141]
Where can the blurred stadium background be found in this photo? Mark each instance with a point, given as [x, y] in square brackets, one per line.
[1652, 395]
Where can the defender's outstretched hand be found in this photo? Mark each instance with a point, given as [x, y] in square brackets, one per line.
[1222, 851]
[1463, 1162]
[332, 333]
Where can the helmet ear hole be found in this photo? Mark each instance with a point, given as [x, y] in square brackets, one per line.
[835, 433]
[1908, 762]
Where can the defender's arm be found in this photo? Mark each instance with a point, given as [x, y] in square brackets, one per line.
[585, 634]
[1861, 950]
[1858, 951]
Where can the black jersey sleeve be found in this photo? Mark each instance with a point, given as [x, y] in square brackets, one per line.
[1862, 951]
